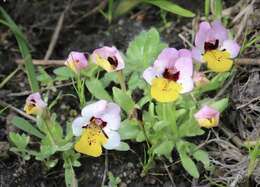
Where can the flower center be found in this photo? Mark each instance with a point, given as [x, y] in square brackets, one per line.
[113, 61]
[171, 74]
[96, 126]
[211, 45]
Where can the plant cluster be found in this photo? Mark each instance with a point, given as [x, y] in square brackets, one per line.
[159, 96]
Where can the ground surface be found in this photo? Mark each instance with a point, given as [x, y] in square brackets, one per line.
[38, 20]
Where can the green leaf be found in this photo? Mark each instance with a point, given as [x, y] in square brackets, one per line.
[164, 148]
[20, 141]
[188, 163]
[190, 128]
[122, 147]
[171, 7]
[220, 105]
[125, 6]
[23, 46]
[129, 129]
[215, 83]
[143, 50]
[63, 73]
[203, 157]
[123, 100]
[26, 126]
[96, 88]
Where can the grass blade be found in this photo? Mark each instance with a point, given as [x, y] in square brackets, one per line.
[23, 46]
[171, 7]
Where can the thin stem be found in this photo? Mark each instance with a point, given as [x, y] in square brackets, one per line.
[121, 80]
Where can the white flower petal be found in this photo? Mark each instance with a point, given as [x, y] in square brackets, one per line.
[113, 139]
[187, 84]
[94, 109]
[232, 47]
[113, 120]
[77, 125]
[149, 74]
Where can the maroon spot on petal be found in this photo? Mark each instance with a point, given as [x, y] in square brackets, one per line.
[211, 46]
[113, 61]
[171, 74]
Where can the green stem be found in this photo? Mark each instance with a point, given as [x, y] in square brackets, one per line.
[80, 89]
[121, 80]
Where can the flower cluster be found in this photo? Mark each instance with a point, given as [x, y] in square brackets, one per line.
[172, 74]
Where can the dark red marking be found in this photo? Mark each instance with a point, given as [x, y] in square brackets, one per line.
[113, 61]
[211, 46]
[171, 74]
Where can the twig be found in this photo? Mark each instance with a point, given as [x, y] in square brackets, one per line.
[17, 110]
[245, 104]
[185, 40]
[243, 23]
[247, 61]
[94, 10]
[43, 62]
[55, 36]
[105, 169]
[235, 139]
[169, 174]
[44, 89]
[238, 61]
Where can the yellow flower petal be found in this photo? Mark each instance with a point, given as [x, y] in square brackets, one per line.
[91, 141]
[218, 61]
[72, 66]
[164, 90]
[208, 123]
[31, 109]
[104, 64]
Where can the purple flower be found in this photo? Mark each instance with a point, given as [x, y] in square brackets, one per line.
[213, 46]
[76, 61]
[170, 75]
[108, 58]
[207, 117]
[34, 104]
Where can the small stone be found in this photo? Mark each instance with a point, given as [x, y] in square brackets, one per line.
[130, 165]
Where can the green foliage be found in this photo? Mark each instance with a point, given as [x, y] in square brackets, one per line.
[26, 126]
[125, 6]
[143, 50]
[20, 142]
[113, 181]
[97, 89]
[215, 83]
[7, 21]
[171, 7]
[123, 100]
[63, 73]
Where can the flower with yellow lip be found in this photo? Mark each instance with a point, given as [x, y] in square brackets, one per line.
[34, 104]
[108, 58]
[76, 61]
[97, 127]
[170, 75]
[213, 47]
[207, 117]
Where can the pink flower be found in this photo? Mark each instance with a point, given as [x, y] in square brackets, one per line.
[173, 65]
[34, 104]
[108, 58]
[76, 61]
[212, 45]
[207, 117]
[200, 79]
